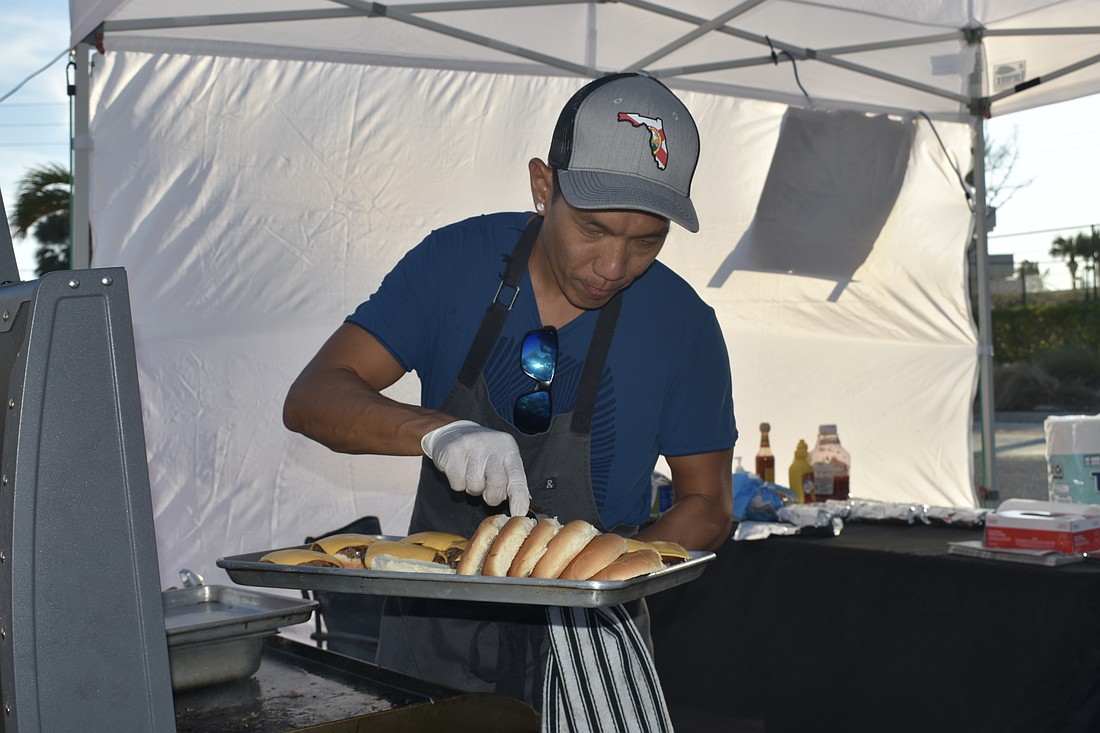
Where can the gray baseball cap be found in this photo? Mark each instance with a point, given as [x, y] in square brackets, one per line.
[625, 141]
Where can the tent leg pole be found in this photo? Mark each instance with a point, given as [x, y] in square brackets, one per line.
[81, 255]
[985, 335]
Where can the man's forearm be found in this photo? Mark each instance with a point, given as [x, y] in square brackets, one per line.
[701, 514]
[348, 416]
[695, 521]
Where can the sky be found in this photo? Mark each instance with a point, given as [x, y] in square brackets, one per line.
[1057, 147]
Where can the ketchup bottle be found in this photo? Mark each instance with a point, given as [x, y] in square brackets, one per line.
[831, 462]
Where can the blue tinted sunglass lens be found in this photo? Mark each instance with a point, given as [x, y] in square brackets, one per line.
[533, 412]
[539, 354]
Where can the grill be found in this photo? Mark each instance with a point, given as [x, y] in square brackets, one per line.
[83, 640]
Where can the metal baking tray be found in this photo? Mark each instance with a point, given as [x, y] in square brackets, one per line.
[248, 570]
[215, 632]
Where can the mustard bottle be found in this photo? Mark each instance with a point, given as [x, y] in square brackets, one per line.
[801, 474]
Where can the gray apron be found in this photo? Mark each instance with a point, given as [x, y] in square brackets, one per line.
[489, 647]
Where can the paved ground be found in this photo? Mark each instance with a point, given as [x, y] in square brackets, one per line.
[1020, 470]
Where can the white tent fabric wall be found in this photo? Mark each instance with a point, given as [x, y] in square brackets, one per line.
[254, 202]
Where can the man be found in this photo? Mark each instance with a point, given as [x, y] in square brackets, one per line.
[603, 358]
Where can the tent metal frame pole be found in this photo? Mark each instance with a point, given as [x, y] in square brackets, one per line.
[985, 316]
[704, 27]
[825, 56]
[398, 15]
[81, 252]
[1051, 76]
[376, 10]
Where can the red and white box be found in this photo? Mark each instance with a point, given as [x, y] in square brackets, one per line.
[1024, 524]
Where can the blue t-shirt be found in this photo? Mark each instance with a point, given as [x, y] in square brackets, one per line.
[666, 387]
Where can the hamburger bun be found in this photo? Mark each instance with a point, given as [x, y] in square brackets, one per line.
[534, 547]
[506, 545]
[394, 564]
[348, 548]
[397, 549]
[633, 545]
[434, 540]
[670, 552]
[564, 546]
[473, 557]
[294, 556]
[601, 551]
[631, 565]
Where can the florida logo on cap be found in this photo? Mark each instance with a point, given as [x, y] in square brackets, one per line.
[657, 142]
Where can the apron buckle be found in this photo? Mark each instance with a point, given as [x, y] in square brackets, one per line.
[515, 294]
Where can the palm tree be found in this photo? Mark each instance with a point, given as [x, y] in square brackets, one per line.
[1088, 246]
[42, 205]
[1067, 248]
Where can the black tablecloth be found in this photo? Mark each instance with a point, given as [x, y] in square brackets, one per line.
[880, 629]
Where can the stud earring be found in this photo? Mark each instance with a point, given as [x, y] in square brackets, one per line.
[540, 207]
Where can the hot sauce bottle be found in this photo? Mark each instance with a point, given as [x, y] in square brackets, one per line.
[765, 459]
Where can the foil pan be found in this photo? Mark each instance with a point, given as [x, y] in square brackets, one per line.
[248, 570]
[215, 633]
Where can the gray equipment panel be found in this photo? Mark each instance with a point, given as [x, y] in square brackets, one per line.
[82, 635]
[9, 268]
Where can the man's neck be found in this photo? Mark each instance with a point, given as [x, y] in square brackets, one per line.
[554, 308]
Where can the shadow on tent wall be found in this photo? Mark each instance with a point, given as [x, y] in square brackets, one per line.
[832, 183]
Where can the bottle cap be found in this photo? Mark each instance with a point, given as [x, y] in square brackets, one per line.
[827, 429]
[765, 427]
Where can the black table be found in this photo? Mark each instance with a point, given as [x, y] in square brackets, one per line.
[880, 629]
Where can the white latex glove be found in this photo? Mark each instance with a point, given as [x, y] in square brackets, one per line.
[481, 462]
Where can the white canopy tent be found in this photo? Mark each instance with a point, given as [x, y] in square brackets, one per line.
[258, 166]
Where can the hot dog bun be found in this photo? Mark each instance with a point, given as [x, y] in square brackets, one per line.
[534, 547]
[506, 545]
[631, 565]
[564, 546]
[601, 551]
[473, 557]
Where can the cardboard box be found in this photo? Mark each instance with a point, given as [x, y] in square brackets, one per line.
[1024, 524]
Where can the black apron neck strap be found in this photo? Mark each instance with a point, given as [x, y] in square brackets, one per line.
[501, 306]
[594, 362]
[498, 310]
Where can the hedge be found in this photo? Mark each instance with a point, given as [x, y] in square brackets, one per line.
[1020, 333]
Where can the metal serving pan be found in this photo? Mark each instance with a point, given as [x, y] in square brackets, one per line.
[248, 570]
[215, 632]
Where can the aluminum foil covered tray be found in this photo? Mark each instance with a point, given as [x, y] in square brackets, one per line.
[215, 632]
[248, 570]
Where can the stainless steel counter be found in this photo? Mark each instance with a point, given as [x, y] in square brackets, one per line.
[302, 688]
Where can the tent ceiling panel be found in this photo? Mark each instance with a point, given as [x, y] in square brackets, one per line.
[858, 54]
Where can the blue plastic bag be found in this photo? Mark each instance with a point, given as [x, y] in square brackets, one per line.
[759, 501]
